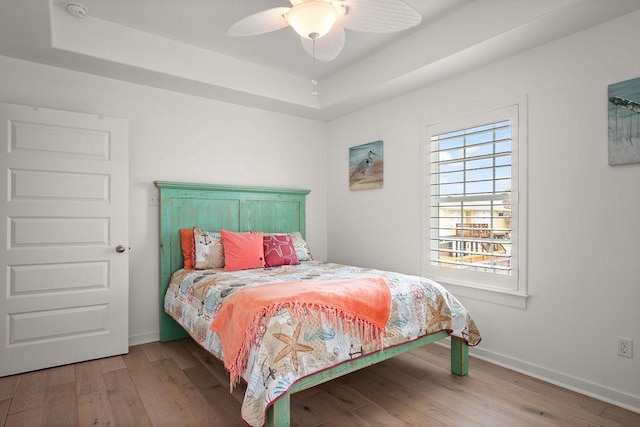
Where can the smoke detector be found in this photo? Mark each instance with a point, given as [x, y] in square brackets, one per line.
[76, 9]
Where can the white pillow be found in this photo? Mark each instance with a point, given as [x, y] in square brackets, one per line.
[208, 250]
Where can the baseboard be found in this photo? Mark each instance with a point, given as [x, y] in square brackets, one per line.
[144, 338]
[606, 394]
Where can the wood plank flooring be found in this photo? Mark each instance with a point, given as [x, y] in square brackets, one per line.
[179, 384]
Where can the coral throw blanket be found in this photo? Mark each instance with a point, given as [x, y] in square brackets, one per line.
[360, 304]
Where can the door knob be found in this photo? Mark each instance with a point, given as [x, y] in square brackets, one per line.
[120, 249]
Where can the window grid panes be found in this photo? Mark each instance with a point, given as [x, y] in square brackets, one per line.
[470, 203]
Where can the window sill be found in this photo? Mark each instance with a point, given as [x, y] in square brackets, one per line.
[496, 296]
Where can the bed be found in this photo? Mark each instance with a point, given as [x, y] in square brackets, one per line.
[295, 346]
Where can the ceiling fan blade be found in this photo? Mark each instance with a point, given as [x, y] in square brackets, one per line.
[260, 23]
[328, 47]
[379, 16]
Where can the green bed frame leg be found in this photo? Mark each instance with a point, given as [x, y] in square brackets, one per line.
[278, 414]
[459, 356]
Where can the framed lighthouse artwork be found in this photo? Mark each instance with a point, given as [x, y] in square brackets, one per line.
[365, 166]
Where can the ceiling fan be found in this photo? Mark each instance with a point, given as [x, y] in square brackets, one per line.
[321, 23]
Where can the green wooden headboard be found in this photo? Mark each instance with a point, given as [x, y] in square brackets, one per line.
[212, 207]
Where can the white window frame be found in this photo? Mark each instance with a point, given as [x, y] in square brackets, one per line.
[508, 290]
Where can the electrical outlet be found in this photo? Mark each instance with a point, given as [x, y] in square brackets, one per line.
[625, 347]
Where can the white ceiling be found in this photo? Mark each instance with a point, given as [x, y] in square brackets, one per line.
[181, 45]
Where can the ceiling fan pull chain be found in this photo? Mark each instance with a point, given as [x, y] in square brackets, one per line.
[314, 82]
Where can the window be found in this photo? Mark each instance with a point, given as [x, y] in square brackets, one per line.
[473, 234]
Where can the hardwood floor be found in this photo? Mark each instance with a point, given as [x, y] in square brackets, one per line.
[179, 384]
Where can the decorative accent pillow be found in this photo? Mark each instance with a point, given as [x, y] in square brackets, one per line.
[302, 249]
[242, 250]
[279, 250]
[209, 252]
[186, 243]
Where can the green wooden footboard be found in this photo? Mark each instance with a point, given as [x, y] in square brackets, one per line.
[278, 414]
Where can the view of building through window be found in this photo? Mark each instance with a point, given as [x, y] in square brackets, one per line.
[470, 179]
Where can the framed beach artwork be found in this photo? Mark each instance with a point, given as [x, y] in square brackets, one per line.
[365, 166]
[624, 122]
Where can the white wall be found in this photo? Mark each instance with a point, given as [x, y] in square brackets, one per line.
[584, 256]
[175, 137]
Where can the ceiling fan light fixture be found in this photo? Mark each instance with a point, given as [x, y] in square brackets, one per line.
[312, 19]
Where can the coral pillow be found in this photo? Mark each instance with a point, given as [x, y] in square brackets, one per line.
[279, 250]
[242, 250]
[208, 252]
[186, 243]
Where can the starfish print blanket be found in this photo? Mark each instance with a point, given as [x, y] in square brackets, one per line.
[289, 347]
[361, 306]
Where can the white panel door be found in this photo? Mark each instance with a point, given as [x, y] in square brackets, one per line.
[64, 255]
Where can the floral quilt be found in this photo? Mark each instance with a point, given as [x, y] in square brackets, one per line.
[288, 347]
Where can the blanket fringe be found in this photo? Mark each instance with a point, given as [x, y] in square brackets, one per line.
[336, 318]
